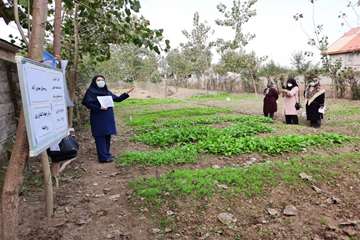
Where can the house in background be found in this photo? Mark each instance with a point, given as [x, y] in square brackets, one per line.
[346, 49]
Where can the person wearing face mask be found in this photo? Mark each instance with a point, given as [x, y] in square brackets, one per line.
[102, 119]
[315, 103]
[290, 93]
[270, 104]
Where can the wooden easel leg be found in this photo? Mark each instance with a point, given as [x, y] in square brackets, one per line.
[48, 184]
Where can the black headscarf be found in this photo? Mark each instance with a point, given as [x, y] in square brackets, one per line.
[94, 91]
[293, 82]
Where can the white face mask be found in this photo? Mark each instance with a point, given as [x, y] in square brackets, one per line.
[100, 83]
[289, 85]
[312, 84]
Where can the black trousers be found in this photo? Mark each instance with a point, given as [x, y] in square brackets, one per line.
[315, 123]
[103, 147]
[271, 115]
[292, 119]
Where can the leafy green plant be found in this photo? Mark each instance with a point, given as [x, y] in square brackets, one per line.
[146, 118]
[248, 181]
[180, 155]
[227, 145]
[191, 134]
[202, 120]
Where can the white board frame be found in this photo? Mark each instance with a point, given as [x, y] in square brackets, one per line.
[35, 145]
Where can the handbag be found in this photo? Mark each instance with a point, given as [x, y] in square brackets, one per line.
[68, 147]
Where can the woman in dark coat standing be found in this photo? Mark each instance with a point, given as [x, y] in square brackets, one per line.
[102, 119]
[270, 100]
[315, 102]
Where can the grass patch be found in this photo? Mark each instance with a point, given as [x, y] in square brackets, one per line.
[341, 110]
[224, 96]
[145, 118]
[180, 155]
[192, 134]
[134, 102]
[249, 181]
[202, 120]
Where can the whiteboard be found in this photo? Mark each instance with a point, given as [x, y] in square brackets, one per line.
[43, 98]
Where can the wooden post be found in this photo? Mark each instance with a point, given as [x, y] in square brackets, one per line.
[49, 206]
[20, 152]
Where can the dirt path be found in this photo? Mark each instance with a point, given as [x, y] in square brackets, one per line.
[91, 203]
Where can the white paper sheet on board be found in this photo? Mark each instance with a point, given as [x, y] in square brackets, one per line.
[106, 101]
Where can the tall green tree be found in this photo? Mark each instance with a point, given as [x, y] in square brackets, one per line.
[235, 18]
[197, 49]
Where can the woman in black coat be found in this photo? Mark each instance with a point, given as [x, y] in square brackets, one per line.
[102, 119]
[315, 103]
[270, 100]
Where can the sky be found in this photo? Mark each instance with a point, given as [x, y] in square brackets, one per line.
[278, 36]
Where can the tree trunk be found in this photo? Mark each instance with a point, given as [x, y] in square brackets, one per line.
[20, 152]
[73, 84]
[57, 29]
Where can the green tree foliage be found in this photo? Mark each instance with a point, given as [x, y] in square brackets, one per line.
[235, 18]
[178, 64]
[300, 62]
[197, 48]
[194, 56]
[101, 23]
[274, 72]
[129, 63]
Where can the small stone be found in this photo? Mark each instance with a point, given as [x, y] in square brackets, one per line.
[67, 210]
[168, 230]
[109, 236]
[290, 210]
[115, 197]
[226, 218]
[251, 161]
[272, 212]
[316, 237]
[156, 230]
[113, 174]
[350, 223]
[216, 167]
[170, 213]
[350, 231]
[223, 186]
[331, 227]
[58, 222]
[316, 189]
[333, 200]
[306, 177]
[106, 190]
[95, 184]
[99, 195]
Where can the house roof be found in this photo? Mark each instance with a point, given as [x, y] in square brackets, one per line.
[8, 50]
[348, 43]
[5, 45]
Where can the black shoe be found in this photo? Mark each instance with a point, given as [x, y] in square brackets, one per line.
[106, 161]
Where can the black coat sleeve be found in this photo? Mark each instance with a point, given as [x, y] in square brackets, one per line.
[90, 103]
[120, 98]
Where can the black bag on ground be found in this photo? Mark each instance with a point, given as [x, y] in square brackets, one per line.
[69, 148]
